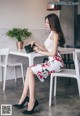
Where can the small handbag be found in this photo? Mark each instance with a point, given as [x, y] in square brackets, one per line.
[28, 48]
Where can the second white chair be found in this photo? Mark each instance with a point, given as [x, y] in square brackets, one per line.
[5, 64]
[71, 73]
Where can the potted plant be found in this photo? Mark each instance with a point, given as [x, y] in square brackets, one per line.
[19, 34]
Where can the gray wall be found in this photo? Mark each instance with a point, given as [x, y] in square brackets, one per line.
[67, 22]
[79, 7]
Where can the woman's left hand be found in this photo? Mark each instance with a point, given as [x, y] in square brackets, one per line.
[36, 49]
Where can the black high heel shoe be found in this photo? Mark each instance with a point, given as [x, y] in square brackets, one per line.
[33, 109]
[19, 106]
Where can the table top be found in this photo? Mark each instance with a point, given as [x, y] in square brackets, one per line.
[66, 50]
[33, 54]
[77, 50]
[22, 52]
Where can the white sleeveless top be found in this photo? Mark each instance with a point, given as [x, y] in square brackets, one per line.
[49, 42]
[49, 45]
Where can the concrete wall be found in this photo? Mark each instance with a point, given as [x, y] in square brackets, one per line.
[79, 7]
[67, 22]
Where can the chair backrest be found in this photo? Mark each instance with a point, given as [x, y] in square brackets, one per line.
[76, 62]
[4, 55]
[4, 51]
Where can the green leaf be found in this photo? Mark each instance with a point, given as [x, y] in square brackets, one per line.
[19, 33]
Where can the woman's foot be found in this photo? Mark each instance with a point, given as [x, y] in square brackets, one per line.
[19, 106]
[31, 107]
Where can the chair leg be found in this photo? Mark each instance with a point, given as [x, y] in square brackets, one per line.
[22, 73]
[55, 83]
[4, 79]
[15, 73]
[78, 82]
[2, 71]
[51, 87]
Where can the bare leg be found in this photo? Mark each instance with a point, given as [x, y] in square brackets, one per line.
[29, 84]
[31, 89]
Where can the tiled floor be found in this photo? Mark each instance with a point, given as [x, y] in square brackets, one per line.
[66, 103]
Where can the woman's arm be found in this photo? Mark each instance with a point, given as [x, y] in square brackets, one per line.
[55, 39]
[40, 46]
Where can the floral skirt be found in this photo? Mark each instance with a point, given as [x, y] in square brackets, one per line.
[54, 64]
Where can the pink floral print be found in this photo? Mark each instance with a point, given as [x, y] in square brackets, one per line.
[44, 69]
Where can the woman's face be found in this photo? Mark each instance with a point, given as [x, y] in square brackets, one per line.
[47, 24]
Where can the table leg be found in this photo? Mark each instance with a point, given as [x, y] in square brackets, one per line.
[31, 60]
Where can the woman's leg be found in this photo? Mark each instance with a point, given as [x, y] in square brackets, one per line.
[26, 85]
[31, 81]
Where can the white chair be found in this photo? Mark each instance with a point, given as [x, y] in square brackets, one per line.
[71, 73]
[5, 64]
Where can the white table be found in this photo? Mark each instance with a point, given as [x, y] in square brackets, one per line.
[66, 50]
[23, 53]
[33, 55]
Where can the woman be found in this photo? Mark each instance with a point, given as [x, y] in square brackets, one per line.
[54, 64]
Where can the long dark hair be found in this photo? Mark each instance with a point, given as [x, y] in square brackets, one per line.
[55, 26]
